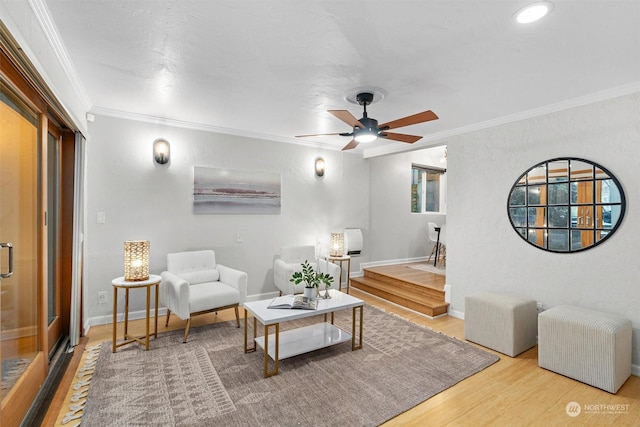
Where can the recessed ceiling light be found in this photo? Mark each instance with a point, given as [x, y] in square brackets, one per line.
[533, 12]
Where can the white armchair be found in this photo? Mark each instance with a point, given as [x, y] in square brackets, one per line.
[194, 284]
[290, 261]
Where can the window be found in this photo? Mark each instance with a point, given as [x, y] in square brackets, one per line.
[426, 188]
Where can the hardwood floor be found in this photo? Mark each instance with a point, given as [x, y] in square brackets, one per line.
[512, 392]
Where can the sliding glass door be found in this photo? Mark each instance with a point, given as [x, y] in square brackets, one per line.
[20, 328]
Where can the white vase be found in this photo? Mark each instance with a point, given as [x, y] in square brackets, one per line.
[310, 292]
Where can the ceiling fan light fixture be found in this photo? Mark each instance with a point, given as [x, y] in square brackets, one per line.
[533, 12]
[366, 135]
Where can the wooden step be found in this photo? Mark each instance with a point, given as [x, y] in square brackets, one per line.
[415, 289]
[406, 284]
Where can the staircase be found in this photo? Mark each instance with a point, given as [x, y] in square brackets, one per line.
[417, 290]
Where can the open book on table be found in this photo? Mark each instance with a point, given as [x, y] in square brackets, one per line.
[299, 302]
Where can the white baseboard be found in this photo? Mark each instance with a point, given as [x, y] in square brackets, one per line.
[455, 313]
[364, 265]
[107, 318]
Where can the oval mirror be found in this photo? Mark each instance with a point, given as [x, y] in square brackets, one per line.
[566, 205]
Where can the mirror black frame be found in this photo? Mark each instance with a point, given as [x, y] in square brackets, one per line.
[586, 224]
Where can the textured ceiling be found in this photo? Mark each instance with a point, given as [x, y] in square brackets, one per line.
[272, 68]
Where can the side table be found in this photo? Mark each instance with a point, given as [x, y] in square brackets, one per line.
[340, 260]
[120, 283]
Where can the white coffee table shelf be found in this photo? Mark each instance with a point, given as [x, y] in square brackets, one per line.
[305, 339]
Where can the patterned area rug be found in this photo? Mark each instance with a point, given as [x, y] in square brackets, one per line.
[211, 381]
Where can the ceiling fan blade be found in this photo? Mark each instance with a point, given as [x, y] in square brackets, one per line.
[353, 144]
[347, 117]
[425, 116]
[400, 137]
[318, 134]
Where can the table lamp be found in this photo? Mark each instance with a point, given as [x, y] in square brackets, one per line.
[337, 244]
[136, 260]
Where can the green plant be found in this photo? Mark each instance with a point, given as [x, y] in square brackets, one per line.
[310, 277]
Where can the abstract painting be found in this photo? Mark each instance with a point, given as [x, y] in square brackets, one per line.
[231, 191]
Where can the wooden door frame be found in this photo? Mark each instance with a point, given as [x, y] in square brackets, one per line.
[22, 79]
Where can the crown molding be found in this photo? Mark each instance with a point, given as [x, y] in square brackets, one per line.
[99, 111]
[429, 140]
[50, 31]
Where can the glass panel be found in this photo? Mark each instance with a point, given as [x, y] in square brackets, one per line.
[559, 217]
[558, 194]
[537, 217]
[603, 216]
[581, 170]
[559, 240]
[558, 171]
[537, 194]
[432, 196]
[518, 216]
[416, 190]
[581, 239]
[537, 237]
[581, 192]
[522, 180]
[600, 174]
[517, 197]
[582, 217]
[19, 328]
[537, 175]
[616, 214]
[522, 232]
[52, 221]
[607, 192]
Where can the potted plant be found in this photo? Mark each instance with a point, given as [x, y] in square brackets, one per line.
[311, 279]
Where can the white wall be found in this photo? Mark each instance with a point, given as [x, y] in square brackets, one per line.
[485, 253]
[396, 233]
[146, 201]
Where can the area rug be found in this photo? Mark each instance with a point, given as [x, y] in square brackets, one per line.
[211, 381]
[429, 267]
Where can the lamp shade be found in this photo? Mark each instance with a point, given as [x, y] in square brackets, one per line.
[136, 260]
[337, 244]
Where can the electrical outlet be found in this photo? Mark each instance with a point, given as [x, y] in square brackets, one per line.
[102, 297]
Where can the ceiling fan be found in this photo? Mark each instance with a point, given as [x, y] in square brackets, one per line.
[368, 130]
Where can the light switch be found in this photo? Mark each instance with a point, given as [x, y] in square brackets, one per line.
[101, 218]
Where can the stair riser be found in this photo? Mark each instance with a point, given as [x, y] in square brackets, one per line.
[390, 279]
[406, 291]
[405, 288]
[413, 305]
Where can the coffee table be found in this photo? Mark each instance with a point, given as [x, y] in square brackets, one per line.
[297, 341]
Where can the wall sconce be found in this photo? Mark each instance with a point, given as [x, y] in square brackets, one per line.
[337, 244]
[319, 167]
[161, 151]
[136, 260]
